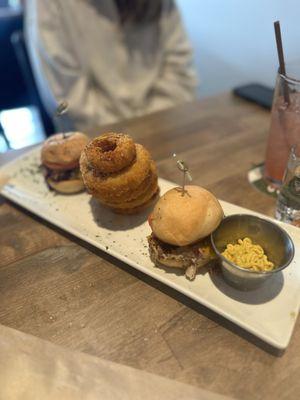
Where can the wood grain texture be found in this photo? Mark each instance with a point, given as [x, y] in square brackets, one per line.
[55, 287]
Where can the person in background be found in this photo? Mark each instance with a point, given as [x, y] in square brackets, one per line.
[109, 59]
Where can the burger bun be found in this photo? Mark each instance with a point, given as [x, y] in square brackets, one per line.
[66, 186]
[62, 150]
[181, 218]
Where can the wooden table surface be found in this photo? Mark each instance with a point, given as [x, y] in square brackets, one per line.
[60, 289]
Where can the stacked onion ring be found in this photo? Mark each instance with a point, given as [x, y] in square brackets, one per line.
[119, 173]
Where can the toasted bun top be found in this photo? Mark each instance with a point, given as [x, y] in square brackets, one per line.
[63, 150]
[183, 219]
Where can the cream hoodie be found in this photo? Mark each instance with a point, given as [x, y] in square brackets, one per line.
[106, 72]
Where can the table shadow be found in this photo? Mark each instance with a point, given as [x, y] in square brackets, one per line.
[105, 218]
[263, 294]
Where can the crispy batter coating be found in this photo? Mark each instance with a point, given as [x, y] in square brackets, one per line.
[142, 207]
[110, 152]
[116, 184]
[127, 190]
[139, 200]
[131, 193]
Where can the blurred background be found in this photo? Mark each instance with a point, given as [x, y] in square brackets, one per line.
[233, 42]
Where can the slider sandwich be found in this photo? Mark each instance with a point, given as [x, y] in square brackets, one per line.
[60, 156]
[181, 223]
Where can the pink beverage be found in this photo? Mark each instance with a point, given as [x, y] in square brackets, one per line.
[284, 133]
[284, 129]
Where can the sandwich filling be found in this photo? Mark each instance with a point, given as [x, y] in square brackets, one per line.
[190, 257]
[65, 175]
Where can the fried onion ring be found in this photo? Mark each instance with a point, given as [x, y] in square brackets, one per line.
[110, 152]
[141, 199]
[142, 207]
[132, 194]
[116, 184]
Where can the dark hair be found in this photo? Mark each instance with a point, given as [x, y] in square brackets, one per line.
[139, 11]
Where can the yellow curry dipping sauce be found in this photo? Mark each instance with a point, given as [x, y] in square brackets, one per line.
[248, 255]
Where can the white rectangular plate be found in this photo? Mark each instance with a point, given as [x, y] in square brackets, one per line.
[269, 312]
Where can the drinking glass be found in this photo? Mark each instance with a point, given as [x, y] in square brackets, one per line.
[288, 202]
[285, 123]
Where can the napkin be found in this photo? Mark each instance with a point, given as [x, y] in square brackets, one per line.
[34, 369]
